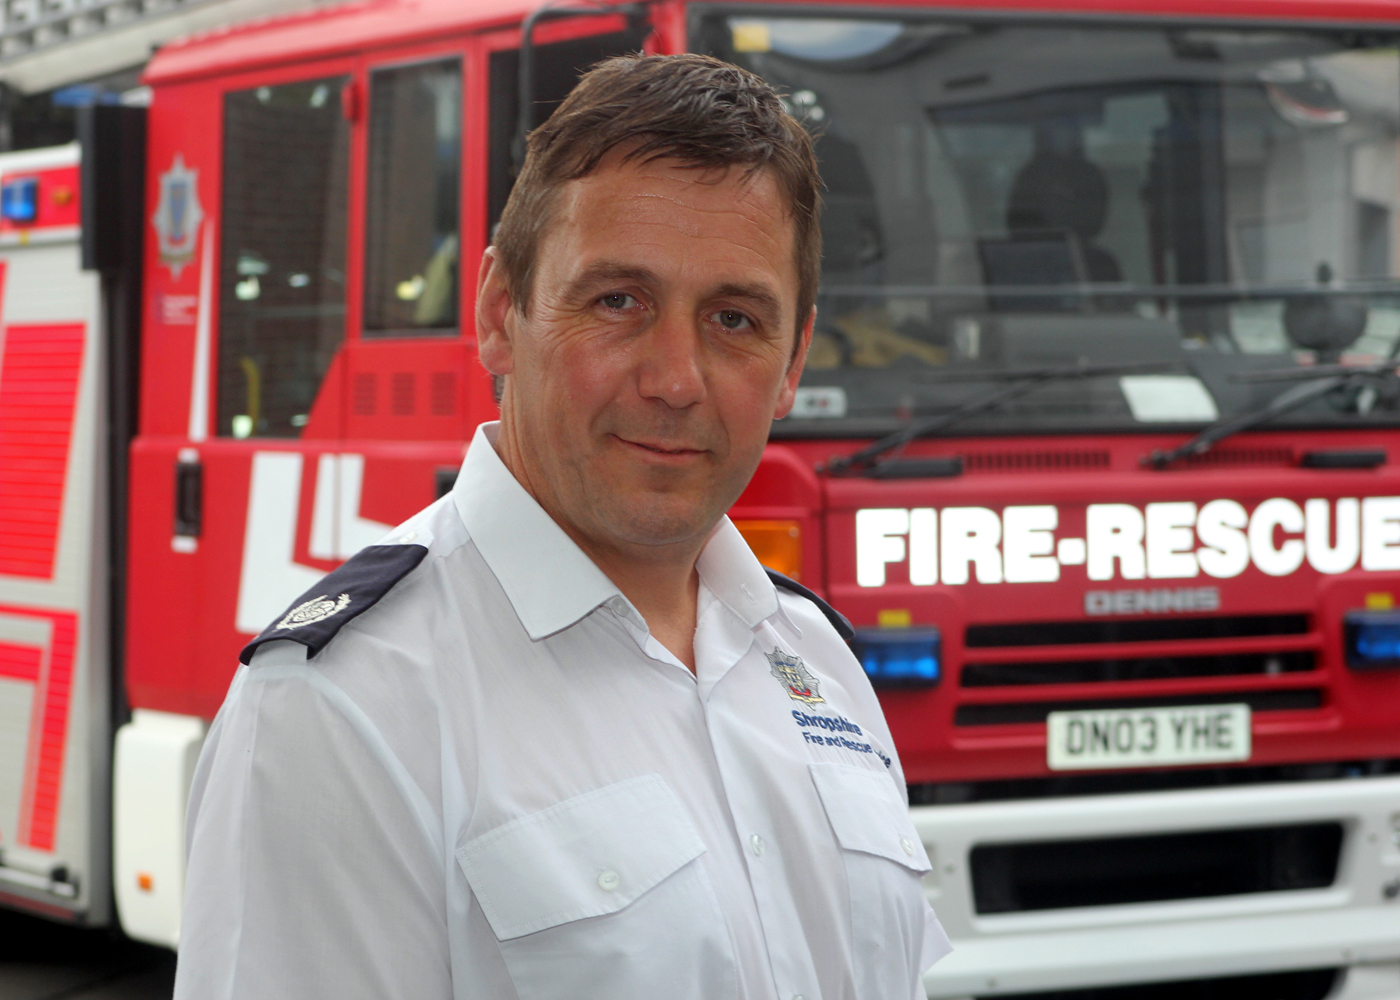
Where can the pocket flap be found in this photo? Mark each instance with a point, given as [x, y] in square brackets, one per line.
[868, 814]
[584, 857]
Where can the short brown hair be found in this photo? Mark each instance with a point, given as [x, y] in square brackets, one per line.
[693, 108]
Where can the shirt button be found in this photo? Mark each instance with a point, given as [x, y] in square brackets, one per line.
[619, 607]
[756, 845]
[908, 845]
[798, 996]
[607, 881]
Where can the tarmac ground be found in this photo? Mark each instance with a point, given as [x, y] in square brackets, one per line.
[42, 960]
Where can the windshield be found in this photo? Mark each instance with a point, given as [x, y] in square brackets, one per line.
[1004, 196]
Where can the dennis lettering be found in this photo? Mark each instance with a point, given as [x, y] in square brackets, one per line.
[1151, 602]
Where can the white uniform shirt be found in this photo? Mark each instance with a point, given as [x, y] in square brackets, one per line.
[495, 783]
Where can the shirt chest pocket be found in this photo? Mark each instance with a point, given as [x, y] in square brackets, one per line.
[894, 935]
[604, 895]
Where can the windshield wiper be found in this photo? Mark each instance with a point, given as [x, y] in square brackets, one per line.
[1023, 380]
[1313, 383]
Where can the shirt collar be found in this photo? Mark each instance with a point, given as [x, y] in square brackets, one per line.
[550, 582]
[736, 577]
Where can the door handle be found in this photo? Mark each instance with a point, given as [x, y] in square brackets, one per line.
[444, 478]
[189, 497]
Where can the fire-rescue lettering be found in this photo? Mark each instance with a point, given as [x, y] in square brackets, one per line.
[1161, 541]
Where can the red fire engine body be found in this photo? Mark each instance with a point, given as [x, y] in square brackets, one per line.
[1147, 697]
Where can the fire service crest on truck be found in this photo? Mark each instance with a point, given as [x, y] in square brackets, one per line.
[178, 215]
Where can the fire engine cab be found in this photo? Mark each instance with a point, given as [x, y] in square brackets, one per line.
[1093, 446]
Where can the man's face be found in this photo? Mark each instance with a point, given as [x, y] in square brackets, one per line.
[657, 349]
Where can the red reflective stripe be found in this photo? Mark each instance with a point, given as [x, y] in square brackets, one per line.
[20, 663]
[39, 374]
[48, 779]
[48, 732]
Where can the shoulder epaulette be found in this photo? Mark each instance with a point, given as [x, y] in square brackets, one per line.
[838, 621]
[342, 596]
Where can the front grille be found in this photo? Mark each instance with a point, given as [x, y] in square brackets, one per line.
[363, 393]
[1308, 984]
[1132, 630]
[403, 394]
[1008, 713]
[1139, 669]
[1052, 875]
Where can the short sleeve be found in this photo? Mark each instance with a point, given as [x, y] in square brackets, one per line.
[310, 874]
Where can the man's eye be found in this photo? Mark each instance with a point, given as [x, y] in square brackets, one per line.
[731, 320]
[617, 300]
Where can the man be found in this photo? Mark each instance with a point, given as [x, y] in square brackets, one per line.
[560, 735]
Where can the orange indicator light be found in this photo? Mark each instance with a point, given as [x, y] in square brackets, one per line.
[778, 544]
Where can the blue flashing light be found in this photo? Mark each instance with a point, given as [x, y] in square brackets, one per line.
[83, 95]
[1372, 639]
[900, 657]
[19, 199]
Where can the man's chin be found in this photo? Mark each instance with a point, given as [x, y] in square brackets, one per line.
[656, 521]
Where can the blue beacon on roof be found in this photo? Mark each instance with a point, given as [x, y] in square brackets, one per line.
[19, 199]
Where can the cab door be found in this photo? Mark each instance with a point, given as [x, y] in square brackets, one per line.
[310, 375]
[236, 500]
[415, 390]
[304, 370]
[437, 170]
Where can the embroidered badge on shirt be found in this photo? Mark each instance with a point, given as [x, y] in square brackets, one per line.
[318, 609]
[794, 676]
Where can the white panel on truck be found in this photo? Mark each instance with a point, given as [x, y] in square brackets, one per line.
[55, 729]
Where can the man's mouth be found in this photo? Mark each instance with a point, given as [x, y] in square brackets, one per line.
[662, 448]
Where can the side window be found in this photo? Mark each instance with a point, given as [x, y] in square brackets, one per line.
[282, 286]
[415, 171]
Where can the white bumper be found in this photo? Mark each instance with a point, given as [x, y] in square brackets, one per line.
[1350, 923]
[153, 766]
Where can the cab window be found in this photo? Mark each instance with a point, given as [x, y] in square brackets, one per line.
[1009, 198]
[411, 235]
[282, 281]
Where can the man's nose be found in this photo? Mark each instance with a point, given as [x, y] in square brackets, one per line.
[671, 368]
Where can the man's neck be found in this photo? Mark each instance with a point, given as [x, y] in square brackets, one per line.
[661, 581]
[664, 591]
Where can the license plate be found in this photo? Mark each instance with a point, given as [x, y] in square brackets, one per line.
[1147, 737]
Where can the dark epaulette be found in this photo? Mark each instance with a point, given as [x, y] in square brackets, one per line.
[343, 595]
[838, 621]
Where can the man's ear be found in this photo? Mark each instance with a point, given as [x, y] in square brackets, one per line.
[493, 312]
[788, 392]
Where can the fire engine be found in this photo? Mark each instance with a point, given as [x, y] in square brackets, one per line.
[1093, 446]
